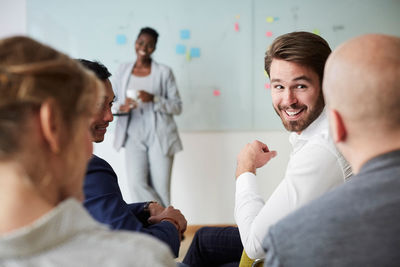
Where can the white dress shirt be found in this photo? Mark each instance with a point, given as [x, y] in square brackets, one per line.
[142, 123]
[68, 236]
[315, 166]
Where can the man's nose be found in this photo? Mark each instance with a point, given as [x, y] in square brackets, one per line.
[108, 116]
[289, 97]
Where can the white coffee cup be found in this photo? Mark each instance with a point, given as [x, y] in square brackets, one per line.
[133, 94]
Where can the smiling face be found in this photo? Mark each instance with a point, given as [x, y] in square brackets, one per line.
[104, 115]
[296, 94]
[145, 46]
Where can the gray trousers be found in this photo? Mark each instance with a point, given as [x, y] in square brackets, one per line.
[148, 171]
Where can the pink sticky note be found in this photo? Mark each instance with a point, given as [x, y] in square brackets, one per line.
[236, 27]
[268, 34]
[267, 85]
[216, 93]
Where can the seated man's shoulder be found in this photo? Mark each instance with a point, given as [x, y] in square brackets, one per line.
[304, 220]
[330, 207]
[96, 163]
[99, 176]
[296, 235]
[327, 229]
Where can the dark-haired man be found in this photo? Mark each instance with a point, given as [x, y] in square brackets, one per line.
[295, 64]
[103, 198]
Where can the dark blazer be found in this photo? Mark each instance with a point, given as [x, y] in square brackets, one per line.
[103, 200]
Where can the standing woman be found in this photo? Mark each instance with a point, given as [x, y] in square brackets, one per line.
[147, 91]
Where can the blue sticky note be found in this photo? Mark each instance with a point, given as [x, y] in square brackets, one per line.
[120, 39]
[180, 49]
[195, 52]
[185, 34]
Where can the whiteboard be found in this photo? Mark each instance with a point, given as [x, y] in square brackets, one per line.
[215, 47]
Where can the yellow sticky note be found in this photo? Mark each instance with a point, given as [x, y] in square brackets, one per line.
[237, 16]
[270, 19]
[266, 74]
[188, 56]
[316, 31]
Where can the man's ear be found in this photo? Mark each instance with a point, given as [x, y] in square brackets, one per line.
[338, 129]
[50, 121]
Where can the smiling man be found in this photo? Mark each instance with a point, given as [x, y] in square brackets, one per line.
[101, 120]
[103, 197]
[357, 223]
[295, 64]
[296, 94]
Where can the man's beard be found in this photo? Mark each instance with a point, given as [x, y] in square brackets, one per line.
[301, 124]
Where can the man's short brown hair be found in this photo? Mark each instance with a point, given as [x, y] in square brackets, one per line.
[304, 48]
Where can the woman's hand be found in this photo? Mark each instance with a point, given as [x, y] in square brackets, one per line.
[145, 96]
[128, 105]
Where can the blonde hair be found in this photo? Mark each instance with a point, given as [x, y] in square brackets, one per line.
[31, 73]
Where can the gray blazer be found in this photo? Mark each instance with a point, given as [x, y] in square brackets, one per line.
[168, 104]
[356, 224]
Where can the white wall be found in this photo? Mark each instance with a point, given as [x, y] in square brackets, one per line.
[203, 176]
[203, 181]
[12, 17]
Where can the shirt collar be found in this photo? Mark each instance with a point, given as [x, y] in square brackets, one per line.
[319, 126]
[52, 229]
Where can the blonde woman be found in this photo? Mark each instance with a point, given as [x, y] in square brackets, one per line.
[46, 104]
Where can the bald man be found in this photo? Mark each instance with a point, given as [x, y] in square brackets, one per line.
[358, 223]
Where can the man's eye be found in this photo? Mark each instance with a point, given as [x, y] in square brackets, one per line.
[278, 86]
[301, 86]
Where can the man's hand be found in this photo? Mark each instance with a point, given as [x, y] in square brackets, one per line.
[253, 156]
[172, 215]
[145, 96]
[155, 209]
